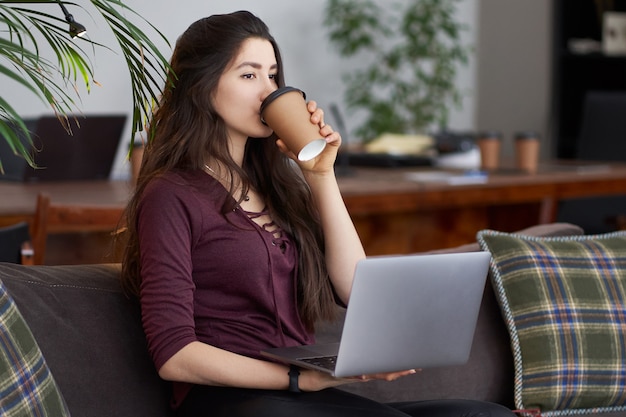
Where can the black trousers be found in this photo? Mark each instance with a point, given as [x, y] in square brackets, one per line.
[207, 401]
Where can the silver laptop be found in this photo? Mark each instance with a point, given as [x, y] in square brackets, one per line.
[405, 312]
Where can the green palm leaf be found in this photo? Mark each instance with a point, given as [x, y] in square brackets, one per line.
[29, 30]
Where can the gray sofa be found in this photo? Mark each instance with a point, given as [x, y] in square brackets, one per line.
[91, 337]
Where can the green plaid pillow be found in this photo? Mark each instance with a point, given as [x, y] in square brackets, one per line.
[564, 303]
[27, 387]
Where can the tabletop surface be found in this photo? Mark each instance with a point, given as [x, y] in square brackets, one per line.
[367, 183]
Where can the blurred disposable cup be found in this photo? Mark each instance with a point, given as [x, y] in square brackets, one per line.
[285, 111]
[527, 151]
[489, 144]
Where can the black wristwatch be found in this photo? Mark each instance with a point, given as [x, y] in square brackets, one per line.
[294, 373]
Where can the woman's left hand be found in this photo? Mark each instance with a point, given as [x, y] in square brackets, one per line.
[325, 161]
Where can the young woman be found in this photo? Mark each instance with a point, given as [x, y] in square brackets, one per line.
[235, 246]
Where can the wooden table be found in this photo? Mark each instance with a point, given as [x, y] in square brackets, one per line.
[394, 213]
[18, 200]
[94, 243]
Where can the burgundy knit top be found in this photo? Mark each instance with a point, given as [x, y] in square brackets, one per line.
[219, 279]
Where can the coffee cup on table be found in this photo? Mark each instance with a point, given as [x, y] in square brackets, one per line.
[489, 144]
[527, 151]
[285, 111]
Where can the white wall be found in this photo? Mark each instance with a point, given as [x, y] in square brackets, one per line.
[310, 61]
[514, 66]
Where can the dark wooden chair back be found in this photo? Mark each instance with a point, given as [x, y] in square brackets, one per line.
[62, 218]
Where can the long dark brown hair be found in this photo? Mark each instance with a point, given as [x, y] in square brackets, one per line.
[185, 129]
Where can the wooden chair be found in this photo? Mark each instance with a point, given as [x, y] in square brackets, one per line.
[15, 245]
[62, 218]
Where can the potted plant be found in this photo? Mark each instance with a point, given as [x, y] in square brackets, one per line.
[406, 56]
[29, 28]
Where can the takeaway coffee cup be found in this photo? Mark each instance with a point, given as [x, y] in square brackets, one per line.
[527, 151]
[489, 144]
[284, 110]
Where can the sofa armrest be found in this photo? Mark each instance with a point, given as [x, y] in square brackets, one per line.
[541, 230]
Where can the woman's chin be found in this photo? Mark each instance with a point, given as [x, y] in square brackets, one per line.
[263, 134]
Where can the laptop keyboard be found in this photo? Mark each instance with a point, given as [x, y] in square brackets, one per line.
[327, 362]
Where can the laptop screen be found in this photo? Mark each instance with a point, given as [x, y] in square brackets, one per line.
[86, 154]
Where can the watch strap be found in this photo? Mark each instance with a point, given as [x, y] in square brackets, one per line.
[294, 373]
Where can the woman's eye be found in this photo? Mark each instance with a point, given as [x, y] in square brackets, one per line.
[273, 76]
[248, 76]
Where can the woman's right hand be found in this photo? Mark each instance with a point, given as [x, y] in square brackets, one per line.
[311, 380]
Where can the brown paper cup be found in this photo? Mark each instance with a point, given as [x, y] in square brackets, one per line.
[527, 152]
[285, 112]
[489, 146]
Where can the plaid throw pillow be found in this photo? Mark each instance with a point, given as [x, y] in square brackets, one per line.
[564, 303]
[26, 384]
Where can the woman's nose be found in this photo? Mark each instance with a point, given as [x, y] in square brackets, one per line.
[269, 89]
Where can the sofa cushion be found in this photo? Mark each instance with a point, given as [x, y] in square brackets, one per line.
[92, 338]
[27, 388]
[564, 303]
